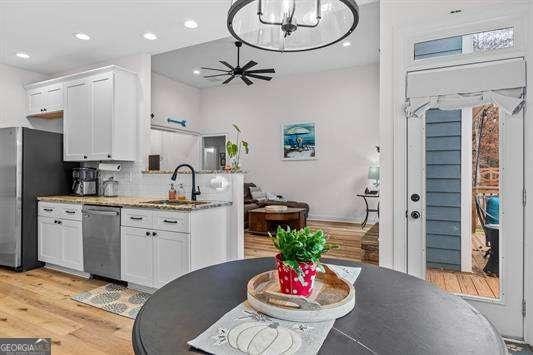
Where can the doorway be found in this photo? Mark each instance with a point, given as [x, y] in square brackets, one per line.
[214, 152]
[465, 187]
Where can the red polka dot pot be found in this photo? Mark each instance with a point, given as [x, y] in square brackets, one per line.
[288, 278]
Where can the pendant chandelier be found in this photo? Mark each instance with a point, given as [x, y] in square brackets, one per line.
[292, 25]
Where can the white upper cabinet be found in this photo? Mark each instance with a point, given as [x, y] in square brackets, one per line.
[99, 109]
[100, 117]
[45, 99]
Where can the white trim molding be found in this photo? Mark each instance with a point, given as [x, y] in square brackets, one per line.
[466, 190]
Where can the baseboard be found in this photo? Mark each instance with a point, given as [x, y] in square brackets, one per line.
[67, 270]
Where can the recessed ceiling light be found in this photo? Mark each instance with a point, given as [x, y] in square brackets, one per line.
[196, 72]
[149, 36]
[346, 44]
[23, 55]
[190, 24]
[82, 36]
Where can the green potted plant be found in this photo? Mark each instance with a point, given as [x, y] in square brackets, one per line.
[234, 149]
[299, 258]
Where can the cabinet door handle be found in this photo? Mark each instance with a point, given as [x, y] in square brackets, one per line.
[84, 157]
[48, 209]
[136, 218]
[147, 234]
[169, 221]
[109, 156]
[70, 212]
[154, 234]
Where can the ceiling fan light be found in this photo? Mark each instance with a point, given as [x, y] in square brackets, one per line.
[290, 25]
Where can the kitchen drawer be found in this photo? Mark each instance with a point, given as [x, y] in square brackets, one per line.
[69, 211]
[141, 218]
[171, 221]
[47, 209]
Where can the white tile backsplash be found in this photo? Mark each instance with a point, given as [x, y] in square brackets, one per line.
[132, 182]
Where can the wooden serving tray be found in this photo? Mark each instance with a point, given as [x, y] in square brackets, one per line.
[332, 298]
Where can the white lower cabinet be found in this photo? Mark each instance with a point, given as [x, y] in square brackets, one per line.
[152, 258]
[137, 256]
[60, 242]
[50, 240]
[171, 256]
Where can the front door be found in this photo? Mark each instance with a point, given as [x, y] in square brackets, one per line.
[465, 207]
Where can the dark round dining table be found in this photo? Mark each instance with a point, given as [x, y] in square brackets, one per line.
[394, 313]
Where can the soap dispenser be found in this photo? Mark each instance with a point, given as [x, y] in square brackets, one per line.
[181, 192]
[172, 192]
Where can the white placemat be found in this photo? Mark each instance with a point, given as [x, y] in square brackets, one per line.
[244, 330]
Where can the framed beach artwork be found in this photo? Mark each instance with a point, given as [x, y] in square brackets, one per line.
[299, 141]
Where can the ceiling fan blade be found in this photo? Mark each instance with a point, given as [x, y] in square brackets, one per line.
[248, 65]
[246, 80]
[262, 71]
[212, 76]
[262, 77]
[229, 79]
[226, 64]
[224, 70]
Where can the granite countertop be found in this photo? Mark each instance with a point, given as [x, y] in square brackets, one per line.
[155, 172]
[137, 202]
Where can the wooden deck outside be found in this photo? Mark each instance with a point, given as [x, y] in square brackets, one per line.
[475, 283]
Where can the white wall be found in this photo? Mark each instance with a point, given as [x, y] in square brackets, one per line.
[175, 148]
[13, 100]
[343, 103]
[174, 99]
[182, 102]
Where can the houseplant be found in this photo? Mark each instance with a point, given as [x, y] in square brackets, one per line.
[299, 258]
[234, 149]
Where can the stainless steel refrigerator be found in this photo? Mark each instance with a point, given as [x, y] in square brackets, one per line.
[31, 165]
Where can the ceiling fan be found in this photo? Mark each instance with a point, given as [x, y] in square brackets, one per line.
[243, 72]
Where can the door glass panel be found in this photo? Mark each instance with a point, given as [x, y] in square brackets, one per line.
[464, 44]
[462, 150]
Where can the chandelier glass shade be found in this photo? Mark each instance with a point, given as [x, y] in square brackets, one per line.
[292, 25]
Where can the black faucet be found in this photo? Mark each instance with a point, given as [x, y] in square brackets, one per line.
[195, 190]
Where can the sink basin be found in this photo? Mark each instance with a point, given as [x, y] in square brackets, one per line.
[177, 202]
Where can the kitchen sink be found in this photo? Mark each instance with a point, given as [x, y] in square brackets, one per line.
[177, 202]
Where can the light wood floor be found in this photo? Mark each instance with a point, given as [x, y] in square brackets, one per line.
[37, 304]
[346, 235]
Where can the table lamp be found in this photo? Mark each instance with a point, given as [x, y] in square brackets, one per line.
[373, 180]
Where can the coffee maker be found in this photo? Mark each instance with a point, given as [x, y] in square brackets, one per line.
[84, 181]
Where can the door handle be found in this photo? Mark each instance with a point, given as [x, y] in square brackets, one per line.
[415, 197]
[102, 213]
[415, 215]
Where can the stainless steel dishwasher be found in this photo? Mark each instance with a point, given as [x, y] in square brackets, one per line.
[101, 241]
